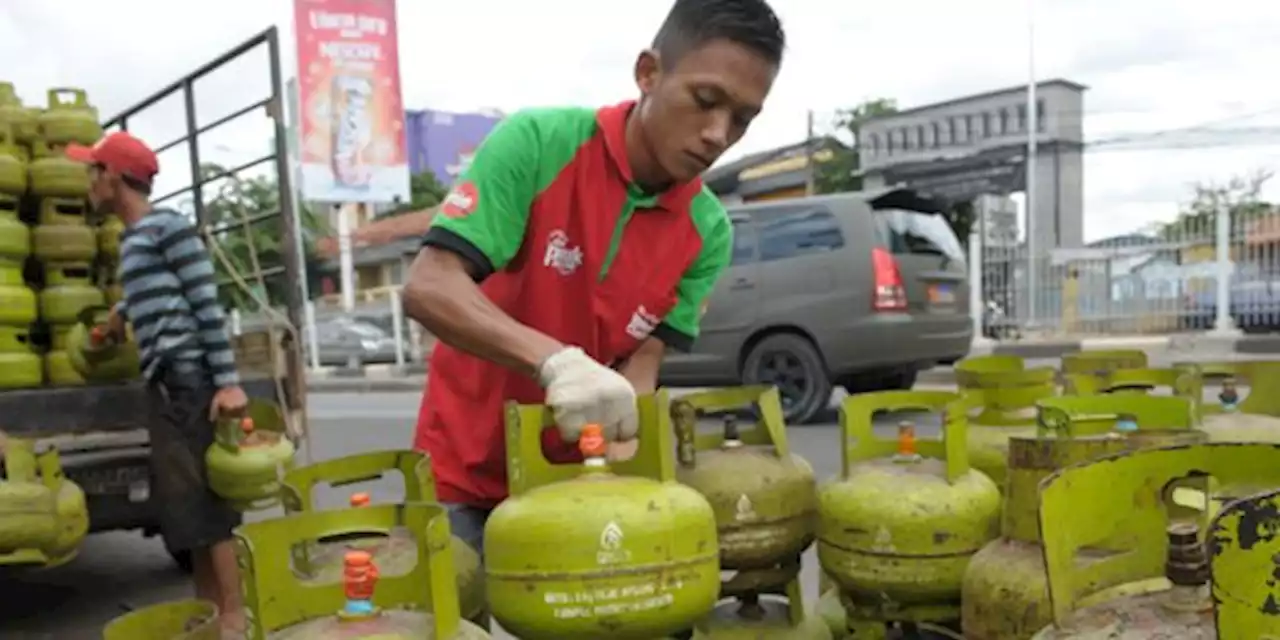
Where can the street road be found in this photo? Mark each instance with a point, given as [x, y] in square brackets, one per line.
[118, 571]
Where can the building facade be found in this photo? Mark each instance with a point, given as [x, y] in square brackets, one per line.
[443, 142]
[967, 147]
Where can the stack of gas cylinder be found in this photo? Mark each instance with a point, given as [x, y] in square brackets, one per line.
[109, 229]
[48, 210]
[19, 365]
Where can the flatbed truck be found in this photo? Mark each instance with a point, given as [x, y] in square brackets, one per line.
[100, 430]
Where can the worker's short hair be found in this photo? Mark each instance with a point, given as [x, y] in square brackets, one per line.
[693, 23]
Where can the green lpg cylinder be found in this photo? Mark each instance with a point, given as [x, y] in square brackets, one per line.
[1100, 362]
[13, 165]
[13, 114]
[369, 603]
[1237, 417]
[1243, 566]
[765, 501]
[72, 509]
[95, 356]
[18, 306]
[59, 372]
[20, 365]
[109, 238]
[52, 175]
[69, 118]
[64, 243]
[68, 291]
[597, 550]
[15, 237]
[1114, 511]
[1004, 392]
[897, 528]
[1005, 595]
[1125, 381]
[28, 508]
[72, 211]
[396, 549]
[179, 620]
[249, 456]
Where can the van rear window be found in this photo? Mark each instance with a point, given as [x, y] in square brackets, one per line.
[913, 232]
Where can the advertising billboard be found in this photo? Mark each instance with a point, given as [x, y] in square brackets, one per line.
[351, 128]
[443, 142]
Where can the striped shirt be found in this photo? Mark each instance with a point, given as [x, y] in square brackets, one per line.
[171, 299]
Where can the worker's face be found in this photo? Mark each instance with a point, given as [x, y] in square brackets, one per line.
[103, 188]
[693, 111]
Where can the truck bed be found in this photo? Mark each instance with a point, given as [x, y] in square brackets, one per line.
[96, 408]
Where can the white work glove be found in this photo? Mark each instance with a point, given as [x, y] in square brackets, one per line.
[582, 391]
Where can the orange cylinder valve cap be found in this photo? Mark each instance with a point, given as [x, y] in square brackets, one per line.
[359, 575]
[591, 441]
[906, 439]
[360, 499]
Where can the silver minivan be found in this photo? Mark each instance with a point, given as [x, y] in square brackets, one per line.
[860, 290]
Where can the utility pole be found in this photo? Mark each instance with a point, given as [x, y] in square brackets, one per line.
[1033, 126]
[811, 170]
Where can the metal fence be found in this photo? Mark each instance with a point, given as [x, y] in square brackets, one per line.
[1171, 277]
[374, 332]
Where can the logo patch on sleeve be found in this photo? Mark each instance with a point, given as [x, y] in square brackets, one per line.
[461, 202]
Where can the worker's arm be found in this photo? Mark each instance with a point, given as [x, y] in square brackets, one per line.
[641, 368]
[477, 231]
[680, 328]
[188, 258]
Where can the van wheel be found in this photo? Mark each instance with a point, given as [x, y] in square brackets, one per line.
[792, 364]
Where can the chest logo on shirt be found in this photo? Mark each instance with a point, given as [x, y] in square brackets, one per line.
[461, 201]
[560, 255]
[642, 323]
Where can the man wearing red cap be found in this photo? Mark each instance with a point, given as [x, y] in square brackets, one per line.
[171, 300]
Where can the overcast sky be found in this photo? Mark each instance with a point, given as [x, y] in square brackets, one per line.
[1151, 64]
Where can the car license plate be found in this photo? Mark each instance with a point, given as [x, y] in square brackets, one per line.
[942, 294]
[133, 481]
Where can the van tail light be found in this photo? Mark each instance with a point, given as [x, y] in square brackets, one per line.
[890, 294]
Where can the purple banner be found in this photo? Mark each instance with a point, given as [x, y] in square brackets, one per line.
[442, 142]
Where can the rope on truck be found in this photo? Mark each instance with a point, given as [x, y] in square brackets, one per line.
[296, 431]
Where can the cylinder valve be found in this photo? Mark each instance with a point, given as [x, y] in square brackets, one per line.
[1187, 567]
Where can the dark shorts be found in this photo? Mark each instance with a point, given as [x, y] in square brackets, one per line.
[190, 515]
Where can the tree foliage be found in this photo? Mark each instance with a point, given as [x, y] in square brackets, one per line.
[841, 171]
[425, 190]
[1241, 196]
[229, 203]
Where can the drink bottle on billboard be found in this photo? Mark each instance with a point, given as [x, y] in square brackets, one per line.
[351, 127]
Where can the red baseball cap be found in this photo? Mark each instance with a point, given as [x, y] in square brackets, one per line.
[119, 152]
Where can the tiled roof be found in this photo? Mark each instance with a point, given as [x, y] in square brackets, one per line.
[380, 232]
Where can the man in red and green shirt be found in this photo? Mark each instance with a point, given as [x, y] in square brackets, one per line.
[578, 246]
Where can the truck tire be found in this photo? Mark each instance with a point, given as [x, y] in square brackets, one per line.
[791, 363]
